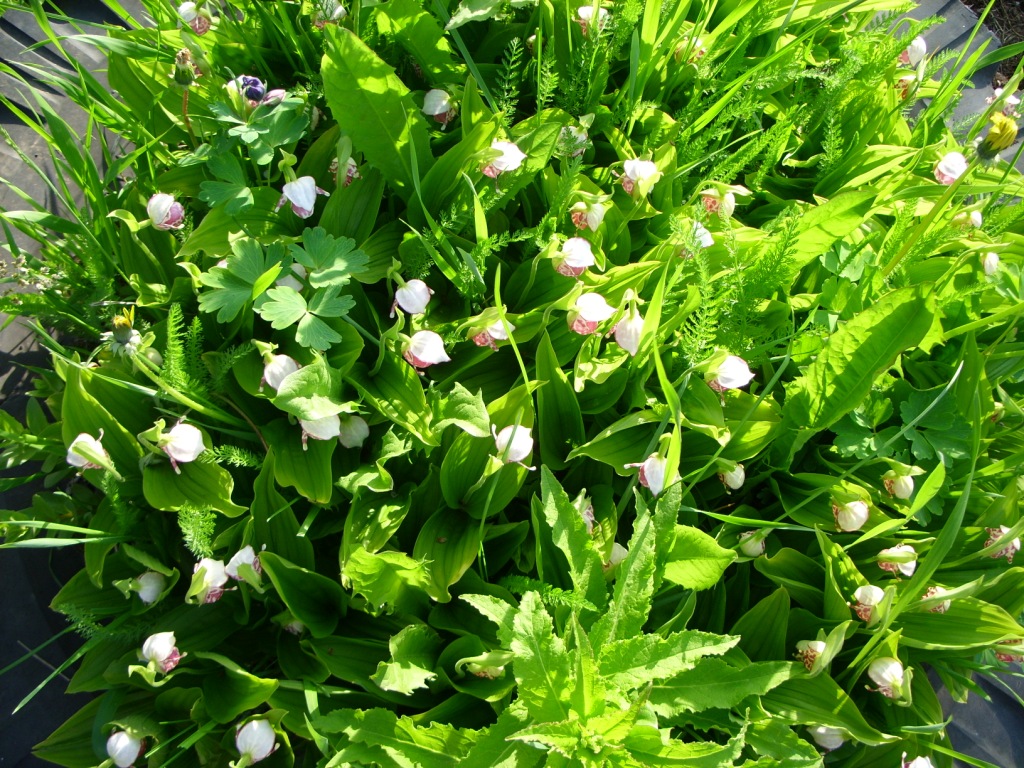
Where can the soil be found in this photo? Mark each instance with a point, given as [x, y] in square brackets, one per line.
[1006, 20]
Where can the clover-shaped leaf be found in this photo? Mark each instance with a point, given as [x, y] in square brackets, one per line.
[331, 261]
[246, 276]
[286, 307]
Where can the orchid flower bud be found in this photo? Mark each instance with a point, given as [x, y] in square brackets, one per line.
[585, 18]
[652, 473]
[898, 485]
[184, 72]
[574, 257]
[629, 330]
[591, 310]
[198, 20]
[951, 167]
[150, 586]
[328, 12]
[733, 373]
[808, 652]
[424, 349]
[438, 105]
[715, 201]
[278, 369]
[850, 516]
[165, 212]
[412, 297]
[123, 749]
[327, 428]
[868, 599]
[752, 543]
[256, 740]
[510, 159]
[245, 556]
[85, 450]
[159, 649]
[1005, 655]
[934, 592]
[990, 263]
[493, 333]
[1009, 548]
[912, 55]
[215, 576]
[617, 555]
[513, 443]
[899, 559]
[887, 674]
[182, 443]
[354, 430]
[917, 762]
[734, 478]
[829, 739]
[301, 193]
[587, 216]
[639, 176]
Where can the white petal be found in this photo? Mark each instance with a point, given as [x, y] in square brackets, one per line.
[354, 431]
[869, 595]
[521, 443]
[301, 193]
[827, 738]
[245, 556]
[327, 428]
[654, 473]
[215, 573]
[629, 331]
[123, 749]
[428, 347]
[511, 156]
[278, 369]
[886, 672]
[436, 102]
[852, 516]
[150, 586]
[576, 252]
[593, 308]
[413, 297]
[159, 207]
[185, 444]
[735, 478]
[256, 739]
[87, 442]
[640, 170]
[158, 647]
[733, 373]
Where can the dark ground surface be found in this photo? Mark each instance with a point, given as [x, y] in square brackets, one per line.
[1006, 20]
[29, 578]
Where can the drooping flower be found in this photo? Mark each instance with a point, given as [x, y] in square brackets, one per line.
[351, 172]
[808, 652]
[587, 215]
[165, 212]
[734, 478]
[438, 105]
[616, 556]
[245, 556]
[413, 298]
[1010, 102]
[326, 428]
[590, 311]
[951, 167]
[256, 740]
[85, 450]
[990, 263]
[574, 257]
[328, 12]
[182, 443]
[198, 20]
[716, 201]
[493, 333]
[159, 649]
[899, 559]
[277, 369]
[850, 516]
[732, 373]
[652, 473]
[752, 543]
[1005, 655]
[585, 18]
[150, 586]
[912, 55]
[301, 193]
[214, 578]
[917, 762]
[867, 601]
[629, 330]
[354, 430]
[510, 159]
[513, 443]
[425, 349]
[639, 176]
[123, 749]
[937, 592]
[1009, 548]
[829, 739]
[899, 486]
[887, 674]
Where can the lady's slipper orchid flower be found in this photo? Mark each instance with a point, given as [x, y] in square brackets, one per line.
[328, 12]
[586, 215]
[277, 369]
[214, 578]
[990, 263]
[639, 176]
[1004, 654]
[652, 473]
[412, 297]
[159, 649]
[808, 652]
[182, 443]
[716, 201]
[513, 443]
[591, 310]
[351, 172]
[850, 516]
[934, 592]
[198, 20]
[752, 543]
[616, 556]
[912, 55]
[301, 193]
[124, 749]
[293, 278]
[84, 449]
[150, 586]
[510, 159]
[899, 559]
[574, 257]
[734, 478]
[1009, 548]
[245, 556]
[629, 330]
[493, 333]
[425, 349]
[438, 105]
[1010, 102]
[898, 485]
[887, 674]
[585, 18]
[256, 740]
[327, 428]
[732, 373]
[951, 167]
[868, 599]
[829, 739]
[165, 212]
[354, 430]
[917, 762]
[965, 219]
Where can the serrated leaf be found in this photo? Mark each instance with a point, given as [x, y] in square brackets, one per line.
[634, 587]
[541, 665]
[314, 333]
[497, 611]
[284, 308]
[649, 748]
[413, 656]
[234, 197]
[716, 684]
[247, 272]
[697, 561]
[330, 260]
[636, 661]
[407, 744]
[327, 303]
[496, 747]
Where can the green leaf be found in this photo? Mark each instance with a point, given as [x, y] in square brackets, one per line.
[697, 561]
[418, 32]
[316, 334]
[413, 656]
[634, 587]
[496, 610]
[285, 307]
[305, 468]
[648, 747]
[274, 521]
[714, 683]
[230, 690]
[376, 110]
[969, 623]
[396, 393]
[389, 581]
[406, 744]
[559, 422]
[234, 197]
[821, 225]
[636, 661]
[772, 738]
[495, 747]
[310, 392]
[197, 484]
[219, 228]
[313, 599]
[762, 629]
[330, 261]
[327, 303]
[247, 274]
[449, 542]
[466, 411]
[541, 664]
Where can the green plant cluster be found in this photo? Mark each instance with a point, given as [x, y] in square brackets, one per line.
[523, 383]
